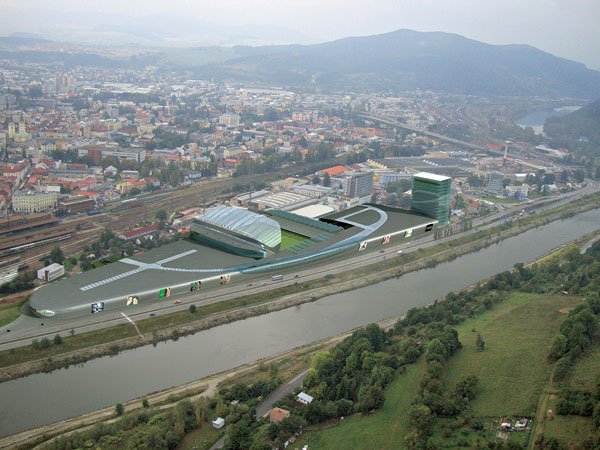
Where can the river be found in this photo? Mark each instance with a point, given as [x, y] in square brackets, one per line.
[44, 398]
[536, 119]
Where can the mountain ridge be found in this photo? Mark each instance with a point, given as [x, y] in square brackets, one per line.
[406, 60]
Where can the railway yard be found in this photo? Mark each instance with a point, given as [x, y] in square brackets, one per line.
[26, 240]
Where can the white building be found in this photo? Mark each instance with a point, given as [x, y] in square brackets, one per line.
[229, 120]
[34, 202]
[51, 272]
[304, 398]
[218, 423]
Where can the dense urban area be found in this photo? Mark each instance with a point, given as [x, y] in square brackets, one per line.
[98, 164]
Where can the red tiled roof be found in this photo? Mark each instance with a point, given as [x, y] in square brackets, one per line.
[140, 231]
[335, 170]
[278, 414]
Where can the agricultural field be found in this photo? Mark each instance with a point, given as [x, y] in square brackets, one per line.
[569, 429]
[513, 367]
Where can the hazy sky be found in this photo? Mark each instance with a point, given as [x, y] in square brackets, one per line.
[567, 28]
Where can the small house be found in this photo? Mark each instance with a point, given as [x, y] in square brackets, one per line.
[218, 423]
[304, 398]
[278, 414]
[521, 424]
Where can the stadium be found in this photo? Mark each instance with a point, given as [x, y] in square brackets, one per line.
[228, 245]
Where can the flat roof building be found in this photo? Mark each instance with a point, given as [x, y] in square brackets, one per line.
[231, 246]
[358, 185]
[495, 184]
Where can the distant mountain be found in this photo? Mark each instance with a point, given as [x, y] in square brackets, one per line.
[583, 123]
[407, 60]
[392, 62]
[20, 39]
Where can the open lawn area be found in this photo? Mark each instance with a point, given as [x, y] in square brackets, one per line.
[289, 238]
[586, 371]
[569, 429]
[513, 368]
[8, 313]
[385, 429]
[200, 439]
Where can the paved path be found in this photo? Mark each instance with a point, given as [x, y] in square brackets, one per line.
[589, 244]
[265, 406]
[26, 328]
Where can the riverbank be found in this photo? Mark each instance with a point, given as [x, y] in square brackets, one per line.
[249, 306]
[289, 363]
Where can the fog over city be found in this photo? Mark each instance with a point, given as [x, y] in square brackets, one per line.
[566, 29]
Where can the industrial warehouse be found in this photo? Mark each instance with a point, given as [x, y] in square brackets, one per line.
[228, 245]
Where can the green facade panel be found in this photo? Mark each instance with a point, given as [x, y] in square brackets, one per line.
[431, 197]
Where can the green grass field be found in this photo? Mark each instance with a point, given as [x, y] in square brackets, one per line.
[570, 429]
[385, 429]
[8, 313]
[512, 371]
[513, 368]
[586, 371]
[202, 438]
[289, 238]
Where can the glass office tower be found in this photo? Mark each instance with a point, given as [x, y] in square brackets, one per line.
[431, 196]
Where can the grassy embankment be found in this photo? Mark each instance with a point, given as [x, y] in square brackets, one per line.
[512, 370]
[8, 313]
[160, 327]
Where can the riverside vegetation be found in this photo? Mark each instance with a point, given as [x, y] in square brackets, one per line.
[78, 348]
[445, 376]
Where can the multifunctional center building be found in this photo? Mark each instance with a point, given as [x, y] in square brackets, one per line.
[228, 245]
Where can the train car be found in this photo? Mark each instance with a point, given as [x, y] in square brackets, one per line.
[25, 247]
[93, 212]
[120, 208]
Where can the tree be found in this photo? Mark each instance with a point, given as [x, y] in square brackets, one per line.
[559, 346]
[238, 436]
[192, 309]
[57, 255]
[326, 180]
[57, 339]
[480, 343]
[273, 371]
[422, 419]
[161, 214]
[316, 180]
[145, 403]
[119, 409]
[129, 248]
[579, 175]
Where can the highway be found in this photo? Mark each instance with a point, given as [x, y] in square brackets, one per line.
[26, 328]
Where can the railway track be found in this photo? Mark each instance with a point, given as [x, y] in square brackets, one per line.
[119, 221]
